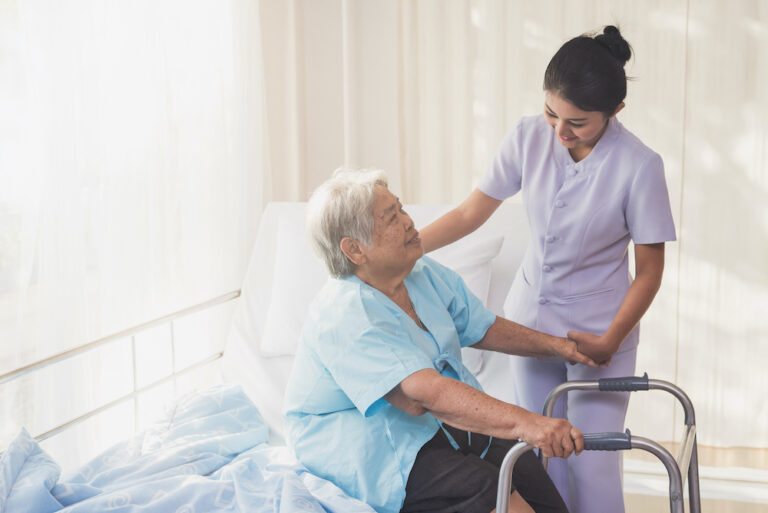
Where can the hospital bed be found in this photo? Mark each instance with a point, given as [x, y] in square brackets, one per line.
[245, 421]
[210, 450]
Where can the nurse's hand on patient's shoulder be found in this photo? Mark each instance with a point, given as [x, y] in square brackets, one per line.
[595, 346]
[571, 352]
[556, 438]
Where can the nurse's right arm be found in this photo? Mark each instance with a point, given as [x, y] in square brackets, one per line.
[461, 221]
[464, 407]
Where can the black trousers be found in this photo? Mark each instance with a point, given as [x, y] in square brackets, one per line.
[446, 480]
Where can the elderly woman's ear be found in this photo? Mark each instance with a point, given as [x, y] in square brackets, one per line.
[354, 252]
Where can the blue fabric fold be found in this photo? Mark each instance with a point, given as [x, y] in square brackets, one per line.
[208, 454]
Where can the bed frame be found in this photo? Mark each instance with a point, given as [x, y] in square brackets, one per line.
[122, 335]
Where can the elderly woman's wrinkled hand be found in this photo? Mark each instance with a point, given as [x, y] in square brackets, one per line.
[569, 351]
[556, 438]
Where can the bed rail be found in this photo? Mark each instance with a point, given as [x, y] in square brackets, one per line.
[121, 335]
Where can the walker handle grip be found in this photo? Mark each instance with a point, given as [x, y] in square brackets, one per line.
[628, 384]
[608, 441]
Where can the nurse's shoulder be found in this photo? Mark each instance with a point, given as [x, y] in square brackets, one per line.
[530, 133]
[631, 154]
[631, 143]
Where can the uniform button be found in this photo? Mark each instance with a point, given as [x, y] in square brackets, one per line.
[559, 203]
[550, 238]
[546, 268]
[542, 300]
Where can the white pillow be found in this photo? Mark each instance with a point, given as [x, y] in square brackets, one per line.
[299, 275]
[472, 258]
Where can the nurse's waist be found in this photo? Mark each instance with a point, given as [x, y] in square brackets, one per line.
[566, 277]
[563, 291]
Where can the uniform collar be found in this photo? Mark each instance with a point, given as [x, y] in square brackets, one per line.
[595, 157]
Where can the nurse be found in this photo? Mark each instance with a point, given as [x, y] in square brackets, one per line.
[589, 187]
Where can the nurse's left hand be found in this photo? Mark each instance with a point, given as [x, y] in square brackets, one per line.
[594, 346]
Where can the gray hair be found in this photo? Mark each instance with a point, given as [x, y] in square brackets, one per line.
[342, 207]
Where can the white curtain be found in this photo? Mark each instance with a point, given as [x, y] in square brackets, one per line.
[130, 187]
[426, 89]
[330, 78]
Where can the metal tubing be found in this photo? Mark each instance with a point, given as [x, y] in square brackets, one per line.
[676, 504]
[685, 401]
[135, 393]
[26, 369]
[549, 404]
[505, 474]
[675, 479]
[694, 493]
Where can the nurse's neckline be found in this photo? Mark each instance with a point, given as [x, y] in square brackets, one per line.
[577, 159]
[588, 149]
[603, 135]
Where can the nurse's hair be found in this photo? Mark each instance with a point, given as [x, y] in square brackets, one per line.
[342, 207]
[588, 71]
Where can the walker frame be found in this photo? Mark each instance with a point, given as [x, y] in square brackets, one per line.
[686, 463]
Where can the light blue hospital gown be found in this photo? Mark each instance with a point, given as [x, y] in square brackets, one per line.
[357, 345]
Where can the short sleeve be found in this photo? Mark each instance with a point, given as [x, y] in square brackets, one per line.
[503, 178]
[648, 212]
[470, 317]
[368, 359]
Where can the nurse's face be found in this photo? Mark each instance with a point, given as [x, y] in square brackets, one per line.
[576, 129]
[396, 243]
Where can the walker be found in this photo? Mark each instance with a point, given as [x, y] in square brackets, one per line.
[685, 464]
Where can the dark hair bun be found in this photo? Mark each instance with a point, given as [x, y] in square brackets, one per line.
[612, 40]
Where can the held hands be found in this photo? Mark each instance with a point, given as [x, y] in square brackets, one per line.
[596, 347]
[570, 351]
[556, 438]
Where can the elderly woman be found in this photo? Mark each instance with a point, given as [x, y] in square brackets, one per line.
[379, 401]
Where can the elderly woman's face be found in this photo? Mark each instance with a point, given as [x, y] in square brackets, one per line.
[396, 243]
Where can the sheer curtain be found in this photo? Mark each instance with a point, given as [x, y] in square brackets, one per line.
[427, 89]
[331, 84]
[131, 184]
